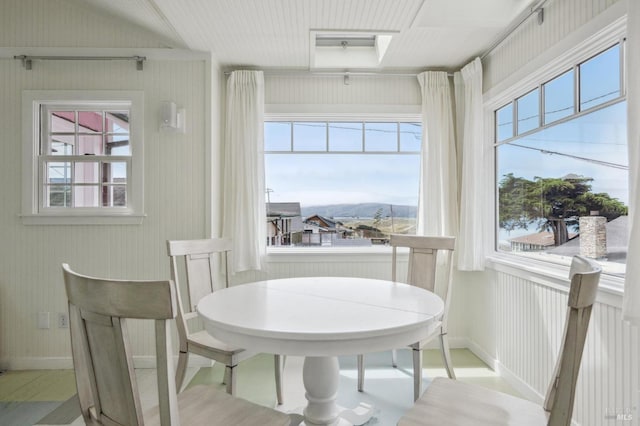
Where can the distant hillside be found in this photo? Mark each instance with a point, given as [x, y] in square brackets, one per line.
[359, 210]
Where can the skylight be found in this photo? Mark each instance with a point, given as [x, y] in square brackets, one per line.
[347, 50]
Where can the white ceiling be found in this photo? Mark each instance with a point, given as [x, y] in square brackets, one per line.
[431, 34]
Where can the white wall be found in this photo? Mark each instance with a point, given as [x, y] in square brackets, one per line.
[176, 189]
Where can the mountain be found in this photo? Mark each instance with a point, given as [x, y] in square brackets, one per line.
[359, 210]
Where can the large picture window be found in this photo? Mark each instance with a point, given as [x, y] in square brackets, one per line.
[562, 168]
[341, 183]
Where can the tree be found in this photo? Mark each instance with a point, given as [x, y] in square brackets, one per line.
[377, 218]
[556, 204]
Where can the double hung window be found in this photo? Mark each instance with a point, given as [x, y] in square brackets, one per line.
[87, 158]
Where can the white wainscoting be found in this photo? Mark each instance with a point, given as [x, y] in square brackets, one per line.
[524, 320]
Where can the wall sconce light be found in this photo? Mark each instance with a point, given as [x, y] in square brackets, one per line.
[171, 117]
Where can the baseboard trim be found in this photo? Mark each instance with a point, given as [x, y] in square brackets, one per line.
[482, 354]
[66, 363]
[36, 363]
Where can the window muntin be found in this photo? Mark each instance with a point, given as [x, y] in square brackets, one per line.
[94, 146]
[344, 136]
[310, 136]
[504, 122]
[559, 97]
[600, 78]
[277, 136]
[410, 137]
[358, 163]
[82, 157]
[381, 137]
[550, 178]
[528, 107]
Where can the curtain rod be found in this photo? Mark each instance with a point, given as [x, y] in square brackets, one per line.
[27, 60]
[340, 73]
[535, 8]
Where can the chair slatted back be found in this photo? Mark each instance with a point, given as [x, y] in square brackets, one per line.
[430, 264]
[584, 275]
[105, 378]
[199, 258]
[199, 263]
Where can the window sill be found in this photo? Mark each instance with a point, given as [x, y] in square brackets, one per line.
[554, 275]
[85, 219]
[330, 254]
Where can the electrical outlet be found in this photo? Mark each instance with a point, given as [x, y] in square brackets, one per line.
[63, 320]
[43, 320]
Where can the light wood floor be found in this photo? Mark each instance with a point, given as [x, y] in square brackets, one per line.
[46, 397]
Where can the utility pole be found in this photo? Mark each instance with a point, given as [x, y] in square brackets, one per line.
[268, 191]
[393, 231]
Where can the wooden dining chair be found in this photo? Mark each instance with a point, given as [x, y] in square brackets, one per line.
[200, 258]
[432, 272]
[453, 403]
[106, 382]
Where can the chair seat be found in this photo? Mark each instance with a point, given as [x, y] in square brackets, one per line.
[201, 341]
[449, 402]
[204, 405]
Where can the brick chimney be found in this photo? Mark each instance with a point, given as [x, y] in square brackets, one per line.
[593, 236]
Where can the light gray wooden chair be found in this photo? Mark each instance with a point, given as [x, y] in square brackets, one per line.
[200, 257]
[105, 378]
[453, 403]
[426, 271]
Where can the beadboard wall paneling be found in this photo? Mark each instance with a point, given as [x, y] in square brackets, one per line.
[364, 90]
[175, 189]
[529, 324]
[561, 17]
[57, 23]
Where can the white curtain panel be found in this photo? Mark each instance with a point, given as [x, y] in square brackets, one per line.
[438, 199]
[244, 217]
[631, 300]
[470, 135]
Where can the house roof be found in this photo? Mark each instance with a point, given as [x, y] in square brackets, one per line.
[543, 239]
[329, 222]
[617, 235]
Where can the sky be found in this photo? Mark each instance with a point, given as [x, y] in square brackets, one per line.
[321, 179]
[315, 177]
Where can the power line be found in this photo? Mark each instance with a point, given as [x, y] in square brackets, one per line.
[589, 160]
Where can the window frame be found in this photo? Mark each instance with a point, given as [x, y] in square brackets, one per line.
[34, 212]
[548, 66]
[408, 114]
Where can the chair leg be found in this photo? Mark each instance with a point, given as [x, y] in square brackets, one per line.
[360, 373]
[181, 369]
[446, 355]
[230, 379]
[417, 373]
[394, 358]
[279, 362]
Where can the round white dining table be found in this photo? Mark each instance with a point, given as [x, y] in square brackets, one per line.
[320, 318]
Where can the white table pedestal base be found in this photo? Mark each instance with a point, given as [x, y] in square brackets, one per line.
[321, 376]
